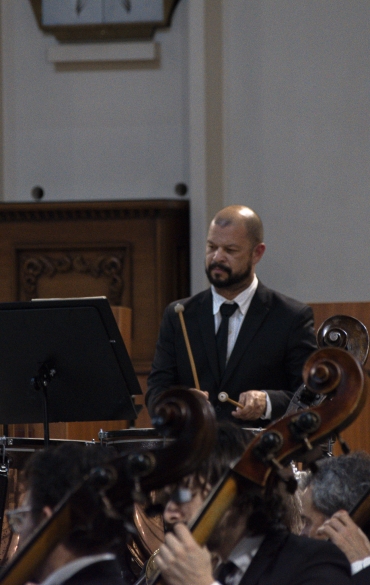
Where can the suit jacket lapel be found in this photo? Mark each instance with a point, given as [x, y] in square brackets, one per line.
[207, 329]
[265, 556]
[253, 320]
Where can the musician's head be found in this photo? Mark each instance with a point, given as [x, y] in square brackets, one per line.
[48, 477]
[255, 512]
[234, 246]
[184, 500]
[337, 484]
[186, 497]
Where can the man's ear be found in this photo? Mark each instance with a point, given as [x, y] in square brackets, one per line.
[258, 252]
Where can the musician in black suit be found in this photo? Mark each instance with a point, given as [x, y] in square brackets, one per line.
[254, 549]
[351, 540]
[268, 336]
[328, 495]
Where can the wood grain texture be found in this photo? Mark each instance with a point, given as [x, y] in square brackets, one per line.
[358, 434]
[134, 252]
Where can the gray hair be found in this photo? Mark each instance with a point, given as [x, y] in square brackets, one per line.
[339, 482]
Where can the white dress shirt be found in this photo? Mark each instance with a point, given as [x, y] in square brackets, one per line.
[242, 556]
[67, 571]
[357, 566]
[243, 300]
[235, 321]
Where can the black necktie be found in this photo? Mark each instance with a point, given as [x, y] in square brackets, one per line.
[226, 311]
[225, 569]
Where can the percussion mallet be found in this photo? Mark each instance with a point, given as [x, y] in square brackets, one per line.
[224, 397]
[179, 308]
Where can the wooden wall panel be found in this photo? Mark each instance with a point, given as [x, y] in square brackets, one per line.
[358, 434]
[134, 252]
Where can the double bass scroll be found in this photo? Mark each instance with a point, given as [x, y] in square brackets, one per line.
[186, 417]
[341, 332]
[345, 332]
[332, 372]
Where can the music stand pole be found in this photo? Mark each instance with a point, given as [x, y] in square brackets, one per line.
[46, 417]
[40, 383]
[71, 353]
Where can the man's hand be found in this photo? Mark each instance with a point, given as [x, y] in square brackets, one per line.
[254, 405]
[204, 392]
[341, 530]
[182, 561]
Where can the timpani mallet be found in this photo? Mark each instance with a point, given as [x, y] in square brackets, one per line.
[179, 308]
[224, 397]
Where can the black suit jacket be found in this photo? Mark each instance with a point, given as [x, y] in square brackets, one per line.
[362, 577]
[287, 559]
[274, 341]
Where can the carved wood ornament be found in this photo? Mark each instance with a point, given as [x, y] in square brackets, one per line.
[107, 265]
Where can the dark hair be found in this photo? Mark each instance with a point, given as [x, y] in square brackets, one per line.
[231, 442]
[50, 474]
[263, 508]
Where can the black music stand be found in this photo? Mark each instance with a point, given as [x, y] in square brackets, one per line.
[63, 360]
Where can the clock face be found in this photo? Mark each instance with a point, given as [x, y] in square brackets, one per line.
[77, 12]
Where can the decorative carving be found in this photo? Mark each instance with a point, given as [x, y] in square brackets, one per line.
[108, 265]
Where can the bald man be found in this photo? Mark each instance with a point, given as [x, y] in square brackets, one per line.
[247, 340]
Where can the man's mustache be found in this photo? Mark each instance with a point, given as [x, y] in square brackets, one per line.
[214, 265]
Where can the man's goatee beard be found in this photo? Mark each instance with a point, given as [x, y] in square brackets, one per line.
[231, 280]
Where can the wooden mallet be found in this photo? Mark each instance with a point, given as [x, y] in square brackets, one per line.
[224, 397]
[179, 308]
